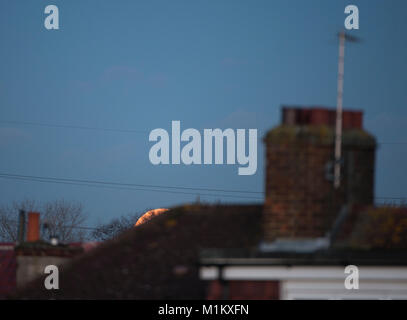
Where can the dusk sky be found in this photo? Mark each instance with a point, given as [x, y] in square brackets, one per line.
[137, 65]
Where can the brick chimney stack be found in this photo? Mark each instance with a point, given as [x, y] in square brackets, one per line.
[33, 229]
[300, 199]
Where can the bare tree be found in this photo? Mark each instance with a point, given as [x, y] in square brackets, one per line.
[61, 218]
[115, 227]
[65, 220]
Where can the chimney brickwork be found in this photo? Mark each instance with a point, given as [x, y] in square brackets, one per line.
[300, 199]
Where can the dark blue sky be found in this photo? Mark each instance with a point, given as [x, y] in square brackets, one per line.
[140, 64]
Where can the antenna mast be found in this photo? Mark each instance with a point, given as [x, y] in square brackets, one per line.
[339, 102]
[338, 127]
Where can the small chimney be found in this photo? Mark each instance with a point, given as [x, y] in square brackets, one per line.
[21, 227]
[33, 229]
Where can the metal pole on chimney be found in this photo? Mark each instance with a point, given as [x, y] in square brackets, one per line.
[339, 102]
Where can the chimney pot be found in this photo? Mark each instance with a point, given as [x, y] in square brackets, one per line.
[33, 229]
[321, 116]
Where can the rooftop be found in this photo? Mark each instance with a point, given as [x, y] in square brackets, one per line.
[160, 259]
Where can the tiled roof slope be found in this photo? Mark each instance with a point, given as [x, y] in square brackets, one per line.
[8, 268]
[158, 259]
[374, 228]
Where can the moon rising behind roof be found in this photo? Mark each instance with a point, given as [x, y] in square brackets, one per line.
[149, 215]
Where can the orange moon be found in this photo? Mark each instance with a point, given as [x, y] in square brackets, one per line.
[149, 215]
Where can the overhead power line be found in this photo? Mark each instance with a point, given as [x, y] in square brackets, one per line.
[154, 188]
[69, 126]
[129, 186]
[90, 128]
[59, 226]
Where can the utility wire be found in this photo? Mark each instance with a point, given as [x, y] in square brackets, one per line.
[154, 188]
[128, 184]
[59, 226]
[69, 126]
[100, 184]
[50, 125]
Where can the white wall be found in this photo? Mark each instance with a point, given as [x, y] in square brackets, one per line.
[321, 282]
